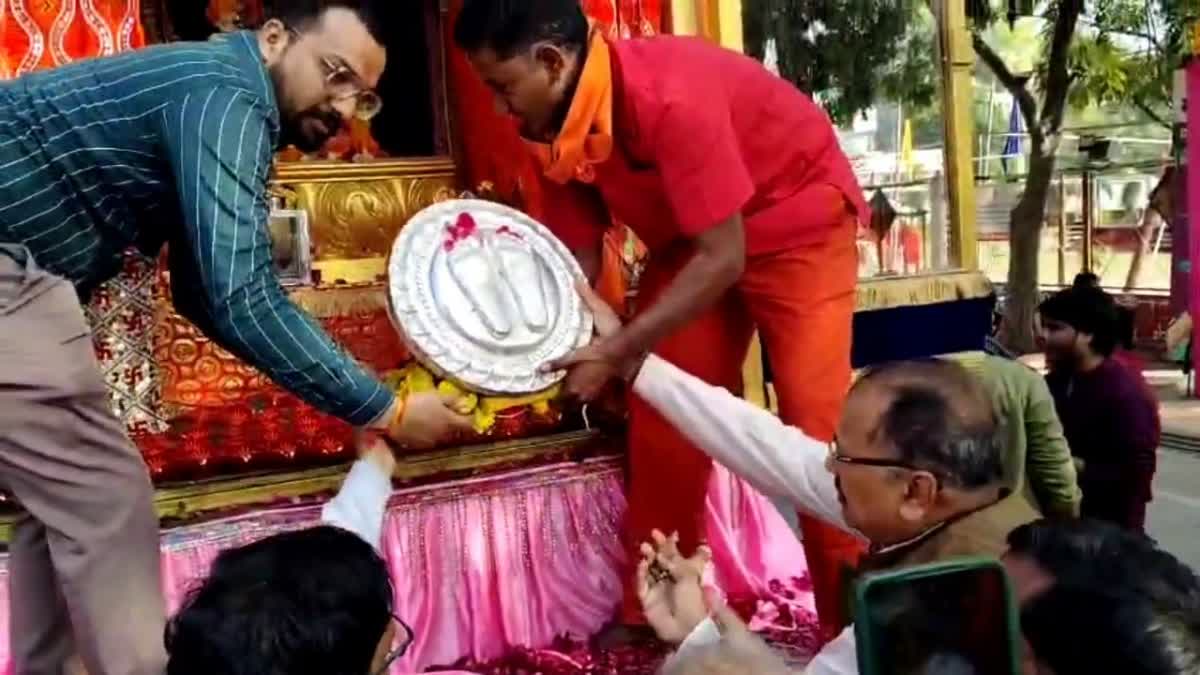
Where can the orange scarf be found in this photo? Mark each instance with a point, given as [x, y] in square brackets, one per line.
[586, 137]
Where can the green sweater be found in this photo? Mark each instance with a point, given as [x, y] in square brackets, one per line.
[1037, 458]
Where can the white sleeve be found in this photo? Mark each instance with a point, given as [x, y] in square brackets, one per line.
[838, 657]
[777, 459]
[360, 504]
[705, 633]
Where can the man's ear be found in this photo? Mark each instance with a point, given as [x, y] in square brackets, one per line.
[920, 496]
[273, 39]
[552, 58]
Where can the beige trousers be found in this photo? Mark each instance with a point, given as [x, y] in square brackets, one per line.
[84, 569]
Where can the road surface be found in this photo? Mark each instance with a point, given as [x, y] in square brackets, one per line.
[1174, 515]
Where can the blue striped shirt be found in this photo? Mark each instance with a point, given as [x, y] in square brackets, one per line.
[170, 144]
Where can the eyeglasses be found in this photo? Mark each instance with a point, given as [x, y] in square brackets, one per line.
[344, 83]
[836, 456]
[399, 650]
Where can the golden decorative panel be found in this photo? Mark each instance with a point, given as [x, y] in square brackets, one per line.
[356, 209]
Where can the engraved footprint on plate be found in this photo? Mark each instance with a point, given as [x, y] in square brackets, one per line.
[470, 261]
[519, 266]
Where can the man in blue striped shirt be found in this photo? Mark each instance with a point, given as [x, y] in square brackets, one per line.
[171, 144]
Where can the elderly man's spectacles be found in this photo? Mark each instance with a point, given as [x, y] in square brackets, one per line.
[836, 456]
[401, 648]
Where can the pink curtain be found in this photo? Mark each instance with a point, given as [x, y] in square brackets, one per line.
[1193, 188]
[483, 565]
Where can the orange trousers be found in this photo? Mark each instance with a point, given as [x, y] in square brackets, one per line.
[801, 300]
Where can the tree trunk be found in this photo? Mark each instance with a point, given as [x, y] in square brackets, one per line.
[1146, 233]
[1025, 238]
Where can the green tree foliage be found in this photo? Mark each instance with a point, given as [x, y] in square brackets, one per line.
[852, 53]
[1127, 51]
[1107, 52]
[848, 53]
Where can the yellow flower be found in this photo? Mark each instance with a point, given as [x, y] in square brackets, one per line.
[413, 378]
[466, 402]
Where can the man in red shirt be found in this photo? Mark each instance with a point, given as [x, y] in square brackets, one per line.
[734, 180]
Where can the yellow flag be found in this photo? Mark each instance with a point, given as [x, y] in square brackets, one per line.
[906, 147]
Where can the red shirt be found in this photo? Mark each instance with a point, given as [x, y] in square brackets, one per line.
[702, 133]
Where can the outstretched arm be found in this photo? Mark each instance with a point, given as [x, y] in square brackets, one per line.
[361, 503]
[219, 145]
[707, 183]
[777, 459]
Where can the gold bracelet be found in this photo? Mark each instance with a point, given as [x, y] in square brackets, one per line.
[398, 416]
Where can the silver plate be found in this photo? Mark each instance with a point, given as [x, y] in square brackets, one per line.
[487, 302]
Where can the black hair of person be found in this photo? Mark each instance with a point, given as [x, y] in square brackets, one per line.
[311, 602]
[939, 418]
[1077, 630]
[1086, 280]
[1099, 554]
[1125, 315]
[1117, 604]
[1088, 310]
[302, 15]
[509, 26]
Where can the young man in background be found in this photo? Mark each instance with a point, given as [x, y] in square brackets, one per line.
[1108, 414]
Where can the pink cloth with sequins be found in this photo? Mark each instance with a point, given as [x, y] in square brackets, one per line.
[481, 566]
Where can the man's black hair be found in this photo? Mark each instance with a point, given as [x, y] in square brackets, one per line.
[310, 602]
[302, 15]
[1125, 324]
[939, 418]
[508, 26]
[1118, 603]
[1088, 310]
[1085, 631]
[1099, 554]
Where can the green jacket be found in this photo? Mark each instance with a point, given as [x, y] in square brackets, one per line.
[1038, 460]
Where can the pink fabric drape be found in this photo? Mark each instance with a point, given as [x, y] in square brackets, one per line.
[516, 559]
[1193, 189]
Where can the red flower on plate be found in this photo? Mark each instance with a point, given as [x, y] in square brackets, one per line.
[461, 229]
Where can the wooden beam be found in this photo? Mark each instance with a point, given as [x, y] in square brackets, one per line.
[717, 20]
[957, 64]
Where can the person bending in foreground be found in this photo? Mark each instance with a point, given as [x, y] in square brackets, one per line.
[1110, 417]
[1094, 598]
[314, 601]
[1097, 598]
[172, 143]
[916, 470]
[734, 180]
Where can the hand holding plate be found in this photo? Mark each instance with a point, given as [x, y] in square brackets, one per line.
[428, 419]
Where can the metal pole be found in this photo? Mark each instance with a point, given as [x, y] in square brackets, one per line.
[1062, 230]
[1089, 224]
[987, 140]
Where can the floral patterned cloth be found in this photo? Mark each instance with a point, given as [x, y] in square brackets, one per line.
[38, 34]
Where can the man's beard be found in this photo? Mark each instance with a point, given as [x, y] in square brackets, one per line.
[302, 130]
[293, 129]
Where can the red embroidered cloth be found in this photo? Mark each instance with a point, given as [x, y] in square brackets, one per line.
[47, 33]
